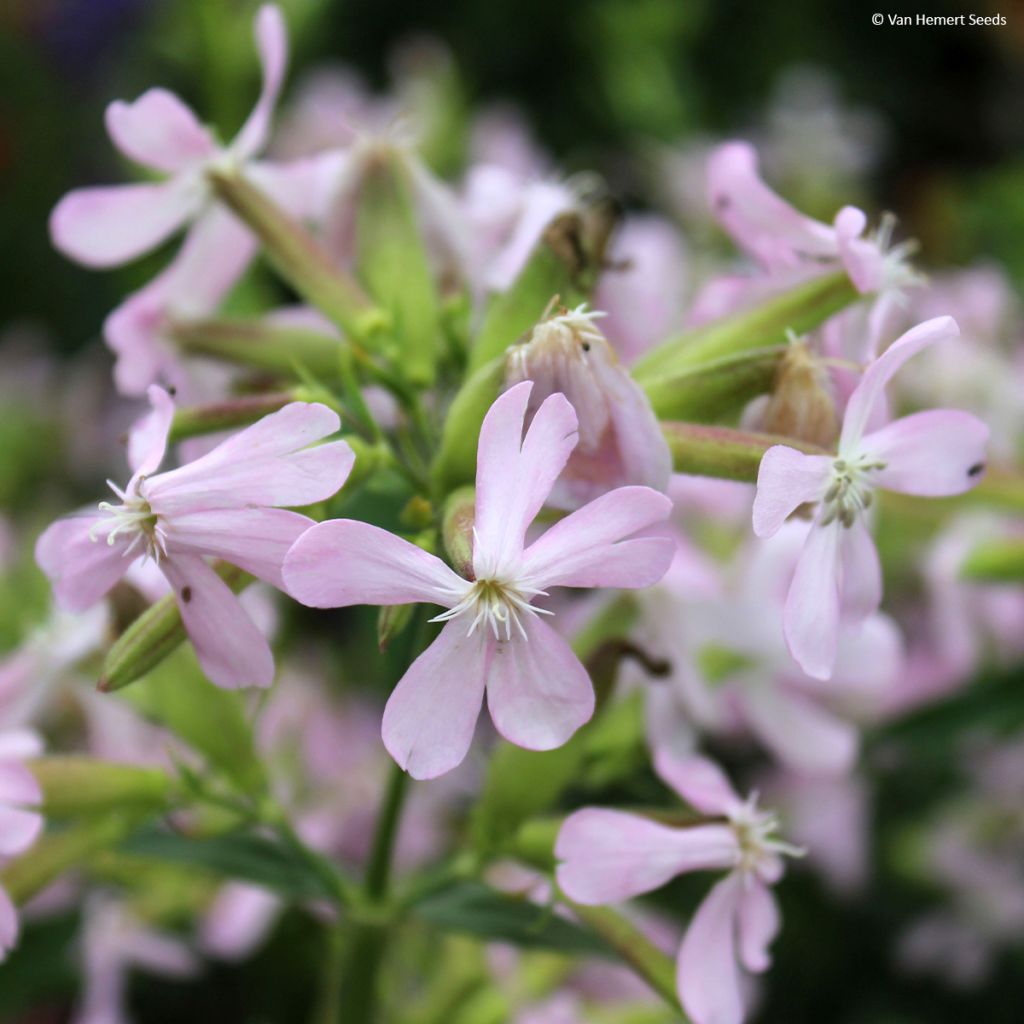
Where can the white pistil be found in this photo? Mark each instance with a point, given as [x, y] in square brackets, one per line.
[133, 518]
[498, 604]
[850, 491]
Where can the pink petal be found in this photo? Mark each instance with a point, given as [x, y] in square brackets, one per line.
[158, 130]
[20, 744]
[699, 781]
[107, 226]
[18, 786]
[147, 442]
[863, 259]
[238, 920]
[786, 479]
[215, 253]
[760, 221]
[811, 617]
[934, 453]
[431, 715]
[344, 562]
[81, 570]
[135, 333]
[230, 649]
[19, 829]
[589, 548]
[514, 475]
[759, 923]
[272, 44]
[254, 539]
[538, 692]
[707, 974]
[268, 463]
[799, 732]
[861, 588]
[870, 656]
[8, 924]
[872, 385]
[611, 856]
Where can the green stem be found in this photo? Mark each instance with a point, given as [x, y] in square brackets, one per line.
[378, 874]
[633, 946]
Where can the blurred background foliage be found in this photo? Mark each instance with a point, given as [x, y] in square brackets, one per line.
[603, 83]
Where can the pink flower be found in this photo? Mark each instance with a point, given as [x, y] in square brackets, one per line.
[644, 287]
[107, 226]
[934, 453]
[607, 856]
[224, 505]
[113, 942]
[19, 826]
[781, 238]
[494, 638]
[620, 440]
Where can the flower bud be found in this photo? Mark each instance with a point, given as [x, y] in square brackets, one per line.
[801, 405]
[620, 441]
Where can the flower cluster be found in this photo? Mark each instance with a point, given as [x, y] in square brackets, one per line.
[649, 499]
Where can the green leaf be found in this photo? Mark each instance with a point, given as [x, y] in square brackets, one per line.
[475, 909]
[244, 856]
[212, 721]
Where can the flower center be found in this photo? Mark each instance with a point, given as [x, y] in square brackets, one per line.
[133, 517]
[850, 491]
[496, 604]
[756, 834]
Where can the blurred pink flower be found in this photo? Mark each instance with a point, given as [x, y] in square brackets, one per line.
[221, 505]
[114, 941]
[107, 226]
[620, 439]
[644, 287]
[782, 239]
[934, 453]
[19, 825]
[607, 856]
[538, 692]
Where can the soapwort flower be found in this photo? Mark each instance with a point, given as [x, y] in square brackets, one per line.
[226, 505]
[108, 225]
[607, 856]
[494, 637]
[933, 453]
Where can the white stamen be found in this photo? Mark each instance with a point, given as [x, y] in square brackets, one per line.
[755, 832]
[133, 518]
[851, 490]
[496, 604]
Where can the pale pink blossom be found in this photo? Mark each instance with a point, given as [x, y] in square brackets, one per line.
[109, 225]
[730, 670]
[113, 942]
[620, 439]
[933, 453]
[607, 856]
[494, 638]
[20, 825]
[782, 239]
[226, 505]
[644, 287]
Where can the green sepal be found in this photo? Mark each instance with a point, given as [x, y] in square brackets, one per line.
[767, 325]
[558, 267]
[74, 786]
[155, 634]
[455, 463]
[392, 263]
[701, 450]
[995, 562]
